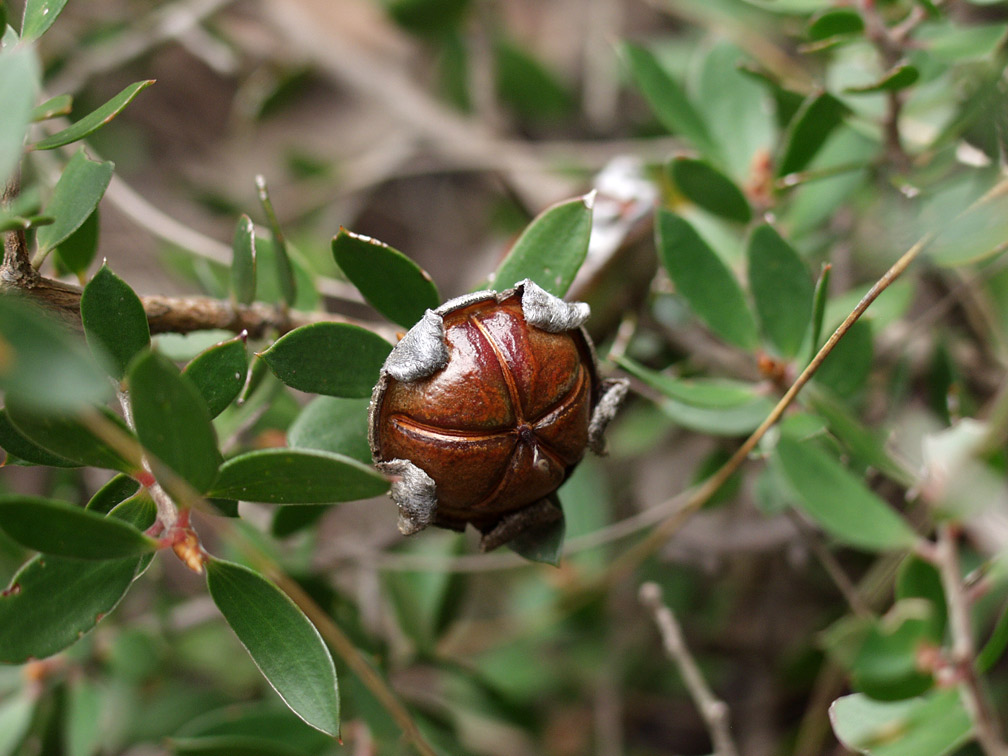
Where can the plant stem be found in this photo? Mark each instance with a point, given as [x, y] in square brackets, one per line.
[713, 710]
[985, 723]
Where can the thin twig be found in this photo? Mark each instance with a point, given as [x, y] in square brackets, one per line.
[713, 710]
[829, 563]
[985, 723]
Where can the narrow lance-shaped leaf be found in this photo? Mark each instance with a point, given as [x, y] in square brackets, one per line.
[393, 284]
[173, 422]
[219, 373]
[839, 502]
[668, 100]
[39, 15]
[898, 77]
[819, 297]
[782, 289]
[59, 105]
[243, 264]
[284, 269]
[93, 120]
[74, 198]
[337, 359]
[704, 281]
[52, 601]
[808, 131]
[19, 77]
[297, 476]
[710, 189]
[282, 642]
[551, 249]
[62, 529]
[114, 320]
[78, 250]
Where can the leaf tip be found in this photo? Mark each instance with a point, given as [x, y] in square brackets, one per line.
[589, 199]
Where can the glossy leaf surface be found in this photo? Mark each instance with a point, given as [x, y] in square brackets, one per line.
[243, 264]
[281, 641]
[333, 424]
[297, 476]
[551, 248]
[896, 78]
[113, 493]
[704, 281]
[707, 187]
[172, 420]
[839, 502]
[74, 198]
[93, 120]
[782, 289]
[336, 359]
[52, 601]
[62, 529]
[392, 283]
[115, 323]
[39, 15]
[219, 373]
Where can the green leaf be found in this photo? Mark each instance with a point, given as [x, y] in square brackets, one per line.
[918, 579]
[782, 289]
[732, 421]
[42, 364]
[19, 84]
[707, 187]
[52, 602]
[76, 437]
[62, 529]
[272, 729]
[337, 359]
[243, 264]
[951, 43]
[839, 502]
[172, 421]
[551, 248]
[704, 281]
[898, 77]
[835, 22]
[808, 131]
[846, 368]
[543, 543]
[819, 298]
[996, 644]
[219, 373]
[333, 424]
[24, 449]
[15, 720]
[284, 268]
[933, 725]
[887, 665]
[297, 476]
[39, 15]
[60, 105]
[527, 86]
[74, 198]
[668, 100]
[282, 642]
[93, 120]
[113, 493]
[114, 320]
[713, 393]
[78, 250]
[393, 284]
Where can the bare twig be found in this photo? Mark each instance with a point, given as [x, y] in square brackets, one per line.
[985, 723]
[713, 710]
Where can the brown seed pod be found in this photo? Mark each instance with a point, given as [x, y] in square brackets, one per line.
[485, 407]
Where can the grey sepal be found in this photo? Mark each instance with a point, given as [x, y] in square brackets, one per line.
[550, 313]
[421, 352]
[612, 393]
[414, 493]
